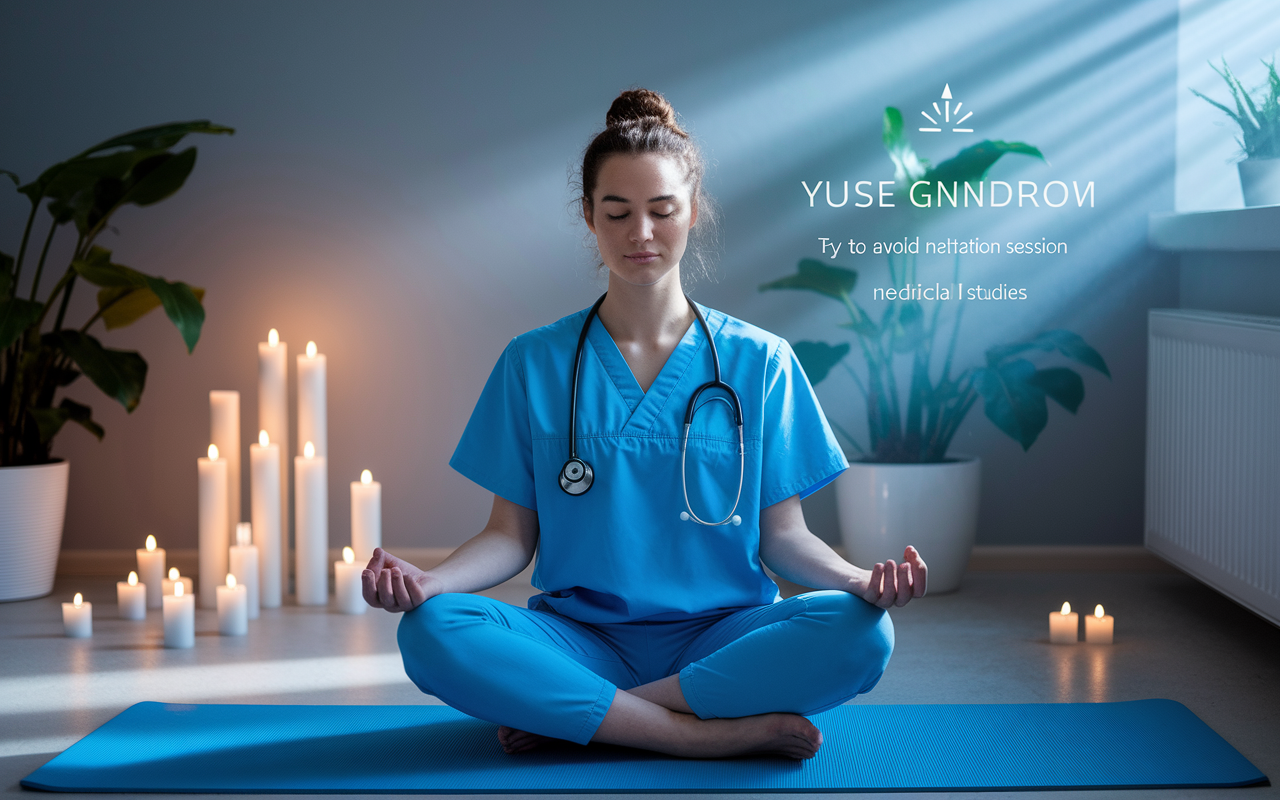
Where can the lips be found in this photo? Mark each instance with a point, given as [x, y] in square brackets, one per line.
[642, 257]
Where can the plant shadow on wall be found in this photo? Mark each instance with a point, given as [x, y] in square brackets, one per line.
[1013, 390]
[902, 490]
[40, 353]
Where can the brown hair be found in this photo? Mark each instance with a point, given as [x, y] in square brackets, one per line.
[642, 121]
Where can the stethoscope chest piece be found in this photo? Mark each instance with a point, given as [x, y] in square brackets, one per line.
[576, 476]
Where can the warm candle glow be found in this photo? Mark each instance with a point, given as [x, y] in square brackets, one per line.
[244, 534]
[263, 439]
[309, 450]
[173, 574]
[213, 452]
[311, 349]
[77, 600]
[366, 477]
[231, 580]
[133, 579]
[1097, 611]
[273, 337]
[151, 544]
[177, 589]
[348, 555]
[1066, 608]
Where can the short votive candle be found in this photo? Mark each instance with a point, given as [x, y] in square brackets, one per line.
[1099, 627]
[131, 598]
[77, 618]
[348, 590]
[180, 618]
[233, 608]
[174, 578]
[1064, 626]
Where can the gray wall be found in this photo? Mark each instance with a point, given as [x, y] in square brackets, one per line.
[397, 191]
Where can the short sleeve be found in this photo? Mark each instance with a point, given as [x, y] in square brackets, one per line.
[496, 449]
[801, 454]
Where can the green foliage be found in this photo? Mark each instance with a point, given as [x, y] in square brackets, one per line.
[38, 354]
[1013, 390]
[1259, 120]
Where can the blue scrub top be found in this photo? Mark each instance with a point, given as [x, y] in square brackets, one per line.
[620, 552]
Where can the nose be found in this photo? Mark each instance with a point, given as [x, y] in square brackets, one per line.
[643, 230]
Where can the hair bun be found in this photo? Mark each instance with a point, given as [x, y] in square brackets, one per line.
[635, 104]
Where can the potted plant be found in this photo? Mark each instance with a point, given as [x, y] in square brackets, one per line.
[902, 487]
[41, 353]
[1259, 139]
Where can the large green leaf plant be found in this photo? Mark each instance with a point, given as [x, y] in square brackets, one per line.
[39, 352]
[1012, 388]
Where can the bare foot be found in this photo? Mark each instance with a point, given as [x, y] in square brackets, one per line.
[789, 735]
[514, 740]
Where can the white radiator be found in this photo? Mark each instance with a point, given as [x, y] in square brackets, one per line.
[1213, 451]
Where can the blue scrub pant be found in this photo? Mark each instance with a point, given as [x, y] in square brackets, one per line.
[545, 673]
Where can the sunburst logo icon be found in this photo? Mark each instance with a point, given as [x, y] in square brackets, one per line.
[946, 113]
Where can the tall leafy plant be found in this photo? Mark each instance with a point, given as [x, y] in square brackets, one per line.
[1012, 388]
[39, 352]
[1259, 120]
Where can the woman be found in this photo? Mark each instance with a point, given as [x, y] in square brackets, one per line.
[657, 626]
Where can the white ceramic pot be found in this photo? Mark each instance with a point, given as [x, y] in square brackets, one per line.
[933, 507]
[33, 505]
[1260, 181]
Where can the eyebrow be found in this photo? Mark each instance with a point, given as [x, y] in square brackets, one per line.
[613, 198]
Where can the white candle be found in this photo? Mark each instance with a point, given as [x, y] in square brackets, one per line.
[348, 590]
[179, 618]
[233, 608]
[77, 618]
[264, 476]
[224, 431]
[169, 586]
[244, 565]
[273, 417]
[1099, 627]
[151, 568]
[131, 598]
[366, 516]
[1064, 626]
[312, 424]
[213, 532]
[311, 517]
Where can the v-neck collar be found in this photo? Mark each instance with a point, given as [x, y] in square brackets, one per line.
[645, 406]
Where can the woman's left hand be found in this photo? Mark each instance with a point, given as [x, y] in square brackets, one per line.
[890, 584]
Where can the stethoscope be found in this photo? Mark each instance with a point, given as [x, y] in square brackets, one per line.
[577, 476]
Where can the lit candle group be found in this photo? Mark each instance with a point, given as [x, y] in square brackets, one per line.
[1064, 626]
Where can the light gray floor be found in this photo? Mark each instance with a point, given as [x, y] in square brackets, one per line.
[987, 643]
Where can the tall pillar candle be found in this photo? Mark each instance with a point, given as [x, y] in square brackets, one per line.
[312, 417]
[244, 566]
[273, 417]
[151, 570]
[224, 431]
[268, 536]
[366, 516]
[213, 538]
[311, 537]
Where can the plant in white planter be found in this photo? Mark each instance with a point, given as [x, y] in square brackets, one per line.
[1259, 123]
[40, 353]
[903, 489]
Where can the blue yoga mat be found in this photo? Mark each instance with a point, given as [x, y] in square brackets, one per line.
[262, 749]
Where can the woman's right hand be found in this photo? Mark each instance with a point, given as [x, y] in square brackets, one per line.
[395, 584]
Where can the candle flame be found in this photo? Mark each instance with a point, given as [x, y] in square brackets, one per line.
[77, 600]
[309, 450]
[173, 573]
[1097, 611]
[263, 439]
[366, 477]
[231, 580]
[311, 349]
[177, 589]
[213, 452]
[273, 337]
[151, 544]
[1066, 608]
[244, 534]
[348, 555]
[133, 578]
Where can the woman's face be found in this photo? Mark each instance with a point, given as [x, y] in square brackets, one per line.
[641, 213]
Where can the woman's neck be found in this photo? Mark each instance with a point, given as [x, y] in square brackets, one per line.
[648, 316]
